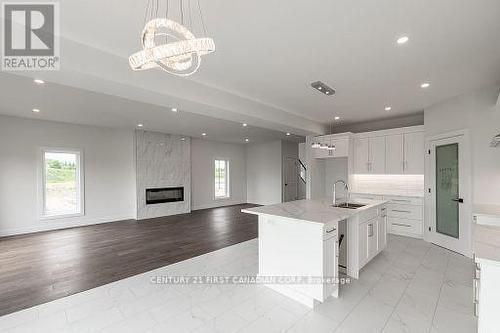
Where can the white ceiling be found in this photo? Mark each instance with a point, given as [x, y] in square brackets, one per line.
[268, 52]
[73, 105]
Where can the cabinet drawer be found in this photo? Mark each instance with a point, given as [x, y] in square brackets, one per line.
[329, 231]
[405, 211]
[404, 200]
[404, 226]
[365, 196]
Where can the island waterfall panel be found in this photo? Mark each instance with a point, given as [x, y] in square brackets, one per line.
[163, 167]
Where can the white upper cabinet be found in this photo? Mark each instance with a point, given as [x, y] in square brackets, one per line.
[376, 154]
[414, 151]
[369, 155]
[394, 154]
[341, 147]
[397, 151]
[361, 156]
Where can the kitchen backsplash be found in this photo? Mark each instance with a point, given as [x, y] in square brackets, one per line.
[387, 184]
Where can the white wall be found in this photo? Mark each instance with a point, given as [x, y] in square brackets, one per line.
[264, 172]
[384, 124]
[478, 113]
[203, 154]
[336, 169]
[108, 164]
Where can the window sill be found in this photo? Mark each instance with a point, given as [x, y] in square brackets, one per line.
[60, 217]
[221, 198]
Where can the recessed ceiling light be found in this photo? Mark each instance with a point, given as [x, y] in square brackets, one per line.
[36, 110]
[327, 92]
[244, 124]
[337, 118]
[247, 140]
[174, 110]
[140, 125]
[183, 139]
[388, 108]
[425, 85]
[39, 81]
[288, 134]
[204, 134]
[320, 88]
[402, 40]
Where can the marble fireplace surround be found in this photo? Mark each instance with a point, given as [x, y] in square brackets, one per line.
[162, 160]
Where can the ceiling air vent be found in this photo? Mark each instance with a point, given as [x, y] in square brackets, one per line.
[496, 141]
[323, 88]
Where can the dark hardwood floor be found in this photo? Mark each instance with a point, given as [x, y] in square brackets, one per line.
[42, 267]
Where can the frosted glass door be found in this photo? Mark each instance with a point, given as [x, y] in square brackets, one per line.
[447, 190]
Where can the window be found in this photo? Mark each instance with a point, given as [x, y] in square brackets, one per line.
[61, 183]
[221, 179]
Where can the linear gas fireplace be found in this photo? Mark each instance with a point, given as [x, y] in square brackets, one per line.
[162, 195]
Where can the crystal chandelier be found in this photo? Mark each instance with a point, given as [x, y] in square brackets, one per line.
[170, 45]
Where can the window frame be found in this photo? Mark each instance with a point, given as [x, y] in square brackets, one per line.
[228, 181]
[80, 186]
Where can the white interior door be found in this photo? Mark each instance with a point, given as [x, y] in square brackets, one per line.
[450, 224]
[290, 179]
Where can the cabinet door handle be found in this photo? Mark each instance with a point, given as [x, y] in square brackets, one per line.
[401, 211]
[402, 225]
[329, 231]
[400, 200]
[475, 290]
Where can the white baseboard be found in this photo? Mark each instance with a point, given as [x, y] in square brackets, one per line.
[57, 225]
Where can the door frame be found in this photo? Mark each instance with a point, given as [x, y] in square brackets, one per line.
[465, 190]
[283, 178]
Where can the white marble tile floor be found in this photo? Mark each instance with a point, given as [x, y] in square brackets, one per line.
[412, 286]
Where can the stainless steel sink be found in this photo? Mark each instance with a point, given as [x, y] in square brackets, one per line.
[348, 205]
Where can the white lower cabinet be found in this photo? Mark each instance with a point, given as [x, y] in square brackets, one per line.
[363, 244]
[404, 215]
[382, 230]
[372, 236]
[330, 265]
[486, 280]
[486, 295]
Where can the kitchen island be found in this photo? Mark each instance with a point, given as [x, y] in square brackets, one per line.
[299, 245]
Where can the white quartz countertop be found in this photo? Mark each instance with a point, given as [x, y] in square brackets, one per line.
[315, 211]
[486, 242]
[397, 193]
[486, 210]
[486, 237]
